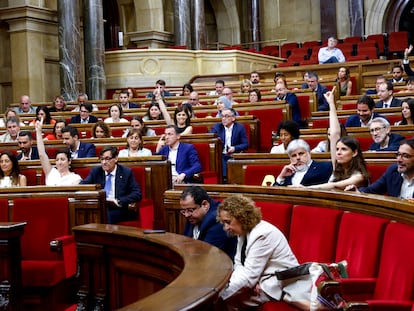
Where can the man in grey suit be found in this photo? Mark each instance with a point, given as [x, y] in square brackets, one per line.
[302, 170]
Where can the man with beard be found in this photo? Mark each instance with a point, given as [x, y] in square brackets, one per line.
[384, 140]
[302, 170]
[365, 113]
[26, 149]
[201, 211]
[397, 181]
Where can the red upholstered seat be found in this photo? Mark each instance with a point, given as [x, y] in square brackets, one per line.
[209, 174]
[4, 210]
[359, 242]
[313, 233]
[254, 174]
[394, 286]
[30, 176]
[277, 214]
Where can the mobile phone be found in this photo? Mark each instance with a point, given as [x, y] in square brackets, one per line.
[151, 231]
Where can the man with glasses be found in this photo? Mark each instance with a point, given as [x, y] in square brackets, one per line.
[77, 148]
[201, 224]
[84, 115]
[384, 140]
[232, 134]
[398, 179]
[193, 100]
[122, 190]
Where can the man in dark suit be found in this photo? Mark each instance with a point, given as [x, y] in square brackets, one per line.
[185, 163]
[319, 89]
[77, 148]
[302, 170]
[201, 224]
[124, 101]
[291, 98]
[365, 113]
[397, 179]
[233, 136]
[385, 91]
[84, 115]
[384, 140]
[27, 151]
[122, 190]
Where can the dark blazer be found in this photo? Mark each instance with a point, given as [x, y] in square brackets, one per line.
[132, 105]
[212, 231]
[127, 191]
[408, 70]
[77, 119]
[354, 121]
[238, 136]
[188, 161]
[292, 99]
[86, 150]
[322, 103]
[395, 102]
[318, 173]
[393, 144]
[390, 182]
[33, 156]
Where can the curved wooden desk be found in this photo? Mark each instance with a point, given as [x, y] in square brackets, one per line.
[121, 267]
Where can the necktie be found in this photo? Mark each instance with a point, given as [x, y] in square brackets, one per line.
[108, 184]
[243, 251]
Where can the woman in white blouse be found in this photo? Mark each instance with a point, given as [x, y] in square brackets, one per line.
[135, 145]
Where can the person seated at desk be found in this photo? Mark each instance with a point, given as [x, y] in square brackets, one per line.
[135, 145]
[324, 145]
[84, 115]
[347, 160]
[319, 89]
[13, 129]
[7, 114]
[380, 79]
[159, 90]
[101, 130]
[407, 112]
[138, 122]
[232, 134]
[409, 87]
[26, 149]
[60, 174]
[201, 224]
[330, 54]
[282, 93]
[122, 190]
[397, 181]
[287, 131]
[57, 131]
[43, 112]
[302, 169]
[9, 171]
[185, 163]
[344, 81]
[262, 250]
[384, 140]
[385, 94]
[59, 105]
[115, 114]
[78, 149]
[397, 74]
[365, 113]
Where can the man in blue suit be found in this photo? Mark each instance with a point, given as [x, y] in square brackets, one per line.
[365, 113]
[185, 163]
[385, 94]
[232, 134]
[124, 101]
[291, 98]
[319, 89]
[84, 115]
[302, 170]
[26, 148]
[397, 179]
[201, 224]
[122, 190]
[77, 148]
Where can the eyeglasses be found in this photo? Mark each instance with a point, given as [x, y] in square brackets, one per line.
[404, 155]
[226, 116]
[188, 211]
[193, 99]
[105, 159]
[377, 129]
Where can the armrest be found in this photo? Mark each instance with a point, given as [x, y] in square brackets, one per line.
[59, 243]
[65, 247]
